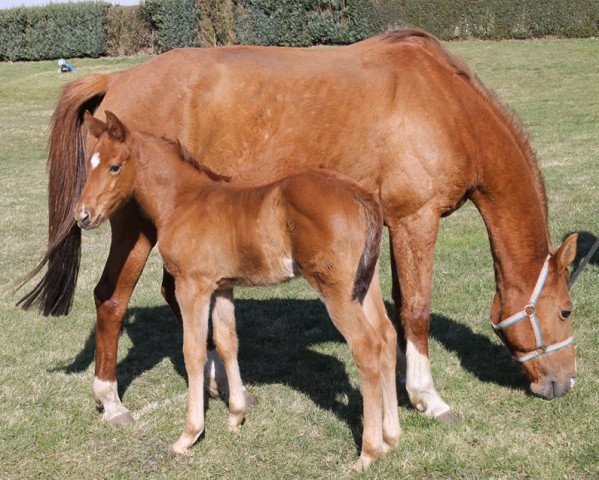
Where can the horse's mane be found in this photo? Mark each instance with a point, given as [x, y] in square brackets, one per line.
[504, 112]
[185, 155]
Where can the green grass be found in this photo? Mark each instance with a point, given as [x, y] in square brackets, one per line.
[308, 419]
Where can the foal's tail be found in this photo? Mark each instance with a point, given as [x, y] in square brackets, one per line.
[373, 220]
[53, 294]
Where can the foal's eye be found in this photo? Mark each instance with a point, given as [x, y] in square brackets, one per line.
[564, 314]
[115, 168]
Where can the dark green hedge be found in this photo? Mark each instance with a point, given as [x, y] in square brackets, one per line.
[491, 19]
[302, 22]
[128, 32]
[175, 22]
[91, 29]
[54, 31]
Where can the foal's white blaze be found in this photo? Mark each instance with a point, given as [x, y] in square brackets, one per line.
[95, 160]
[419, 384]
[106, 395]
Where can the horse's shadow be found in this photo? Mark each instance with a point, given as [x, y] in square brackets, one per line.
[278, 344]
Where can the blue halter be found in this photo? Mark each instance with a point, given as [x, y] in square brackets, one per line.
[530, 313]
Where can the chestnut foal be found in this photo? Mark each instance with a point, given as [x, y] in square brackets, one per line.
[213, 236]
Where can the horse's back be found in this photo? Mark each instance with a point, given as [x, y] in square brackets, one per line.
[262, 113]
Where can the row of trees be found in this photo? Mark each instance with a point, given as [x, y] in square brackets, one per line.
[91, 29]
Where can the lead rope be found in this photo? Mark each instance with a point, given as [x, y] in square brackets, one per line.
[529, 312]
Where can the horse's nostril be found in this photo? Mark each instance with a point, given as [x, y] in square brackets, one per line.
[85, 216]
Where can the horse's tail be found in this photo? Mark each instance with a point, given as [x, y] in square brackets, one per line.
[373, 220]
[53, 294]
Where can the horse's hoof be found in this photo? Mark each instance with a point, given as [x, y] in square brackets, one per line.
[250, 398]
[122, 419]
[448, 417]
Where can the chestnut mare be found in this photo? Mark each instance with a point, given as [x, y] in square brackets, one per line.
[398, 113]
[213, 236]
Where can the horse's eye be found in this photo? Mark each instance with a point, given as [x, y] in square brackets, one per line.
[115, 168]
[564, 314]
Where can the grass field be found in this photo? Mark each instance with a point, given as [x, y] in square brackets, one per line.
[308, 421]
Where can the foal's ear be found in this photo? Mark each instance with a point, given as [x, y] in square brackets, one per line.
[94, 126]
[566, 254]
[116, 128]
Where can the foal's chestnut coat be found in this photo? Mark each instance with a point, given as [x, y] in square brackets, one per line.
[213, 236]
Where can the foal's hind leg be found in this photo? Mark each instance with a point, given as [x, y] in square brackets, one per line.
[365, 343]
[374, 308]
[225, 339]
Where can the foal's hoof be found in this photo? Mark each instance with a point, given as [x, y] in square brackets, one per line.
[250, 398]
[122, 419]
[448, 417]
[363, 463]
[179, 449]
[233, 428]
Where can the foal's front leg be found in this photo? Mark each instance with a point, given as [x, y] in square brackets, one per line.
[225, 340]
[194, 300]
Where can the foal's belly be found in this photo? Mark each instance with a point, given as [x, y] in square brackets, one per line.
[277, 272]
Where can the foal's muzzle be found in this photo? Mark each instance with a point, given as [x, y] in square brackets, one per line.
[84, 219]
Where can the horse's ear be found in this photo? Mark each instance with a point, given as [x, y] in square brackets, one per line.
[116, 128]
[566, 254]
[94, 126]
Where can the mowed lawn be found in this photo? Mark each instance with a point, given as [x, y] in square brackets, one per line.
[308, 421]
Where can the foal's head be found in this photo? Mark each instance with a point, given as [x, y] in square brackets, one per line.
[111, 171]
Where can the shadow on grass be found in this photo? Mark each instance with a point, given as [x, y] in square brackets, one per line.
[488, 361]
[585, 242]
[277, 339]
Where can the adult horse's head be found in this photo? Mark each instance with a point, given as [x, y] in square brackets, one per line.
[111, 173]
[537, 325]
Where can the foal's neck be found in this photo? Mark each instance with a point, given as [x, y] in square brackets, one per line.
[163, 180]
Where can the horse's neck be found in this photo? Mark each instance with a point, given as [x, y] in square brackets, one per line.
[162, 180]
[512, 204]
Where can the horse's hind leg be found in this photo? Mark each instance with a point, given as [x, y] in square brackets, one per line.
[374, 308]
[225, 340]
[132, 240]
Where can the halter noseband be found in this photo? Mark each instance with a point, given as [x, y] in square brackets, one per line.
[530, 313]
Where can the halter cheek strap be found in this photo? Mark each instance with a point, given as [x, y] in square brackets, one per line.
[529, 312]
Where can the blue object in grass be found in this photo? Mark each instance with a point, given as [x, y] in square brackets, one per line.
[65, 67]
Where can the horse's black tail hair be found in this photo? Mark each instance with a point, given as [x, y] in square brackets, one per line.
[54, 293]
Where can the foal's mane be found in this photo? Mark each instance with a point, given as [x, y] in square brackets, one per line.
[503, 112]
[185, 155]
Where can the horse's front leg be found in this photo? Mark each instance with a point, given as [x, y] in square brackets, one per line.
[413, 244]
[132, 240]
[194, 300]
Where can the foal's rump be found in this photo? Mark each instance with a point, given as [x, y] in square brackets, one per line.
[331, 218]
